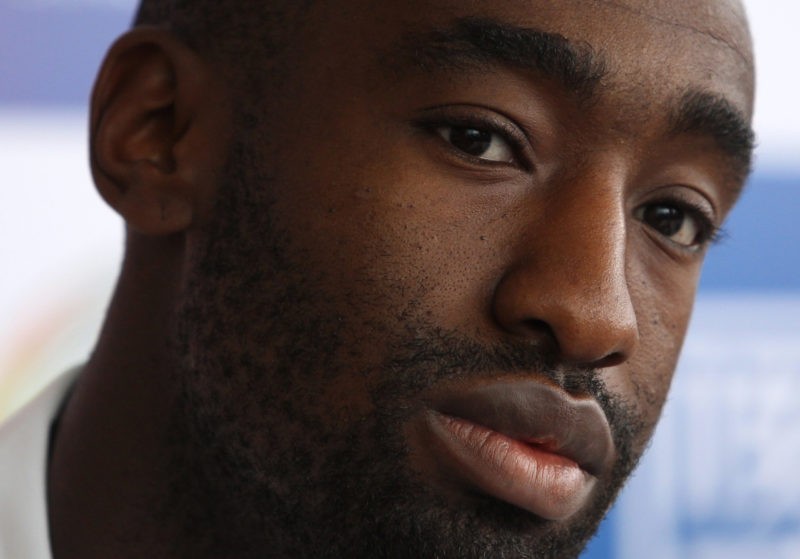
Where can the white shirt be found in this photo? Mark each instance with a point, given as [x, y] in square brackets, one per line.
[24, 442]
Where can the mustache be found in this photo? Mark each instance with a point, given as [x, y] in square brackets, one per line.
[433, 355]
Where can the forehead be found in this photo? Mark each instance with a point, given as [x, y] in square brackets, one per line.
[657, 47]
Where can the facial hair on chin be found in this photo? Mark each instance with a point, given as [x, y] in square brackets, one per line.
[350, 493]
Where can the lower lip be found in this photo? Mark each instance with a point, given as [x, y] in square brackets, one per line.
[548, 485]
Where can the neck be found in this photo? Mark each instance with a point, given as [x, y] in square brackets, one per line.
[109, 466]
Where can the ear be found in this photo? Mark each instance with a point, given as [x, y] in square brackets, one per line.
[158, 132]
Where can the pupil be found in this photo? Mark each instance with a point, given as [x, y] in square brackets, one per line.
[471, 141]
[664, 219]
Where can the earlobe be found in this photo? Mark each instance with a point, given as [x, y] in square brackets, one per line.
[152, 158]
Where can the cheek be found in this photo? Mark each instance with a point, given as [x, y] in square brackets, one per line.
[393, 240]
[663, 296]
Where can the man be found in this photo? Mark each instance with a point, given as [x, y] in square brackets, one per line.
[402, 279]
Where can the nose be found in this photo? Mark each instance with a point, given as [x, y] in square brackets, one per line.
[568, 285]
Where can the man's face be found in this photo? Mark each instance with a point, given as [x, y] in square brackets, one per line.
[440, 303]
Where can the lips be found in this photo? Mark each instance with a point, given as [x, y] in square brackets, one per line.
[526, 443]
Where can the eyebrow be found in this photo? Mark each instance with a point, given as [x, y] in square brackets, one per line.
[704, 113]
[481, 43]
[478, 43]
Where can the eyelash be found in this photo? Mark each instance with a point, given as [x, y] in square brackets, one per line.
[510, 133]
[709, 232]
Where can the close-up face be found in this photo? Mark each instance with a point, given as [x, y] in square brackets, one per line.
[438, 305]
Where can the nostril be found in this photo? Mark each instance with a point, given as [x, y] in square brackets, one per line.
[540, 327]
[585, 348]
[543, 334]
[610, 360]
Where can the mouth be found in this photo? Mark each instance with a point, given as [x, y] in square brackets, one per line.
[526, 443]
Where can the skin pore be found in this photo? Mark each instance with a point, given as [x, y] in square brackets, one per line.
[438, 198]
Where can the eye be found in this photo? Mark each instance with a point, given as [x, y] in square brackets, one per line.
[687, 227]
[482, 144]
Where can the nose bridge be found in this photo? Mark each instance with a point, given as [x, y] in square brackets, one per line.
[572, 280]
[587, 242]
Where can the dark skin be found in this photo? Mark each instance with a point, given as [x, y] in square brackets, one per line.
[295, 296]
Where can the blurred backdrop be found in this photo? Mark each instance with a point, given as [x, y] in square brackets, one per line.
[720, 480]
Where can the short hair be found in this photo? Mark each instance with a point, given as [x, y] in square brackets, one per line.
[241, 35]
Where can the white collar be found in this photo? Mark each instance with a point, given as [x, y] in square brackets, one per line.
[24, 443]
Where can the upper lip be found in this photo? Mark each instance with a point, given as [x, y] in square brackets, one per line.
[532, 412]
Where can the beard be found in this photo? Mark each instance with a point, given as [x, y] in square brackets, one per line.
[267, 462]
